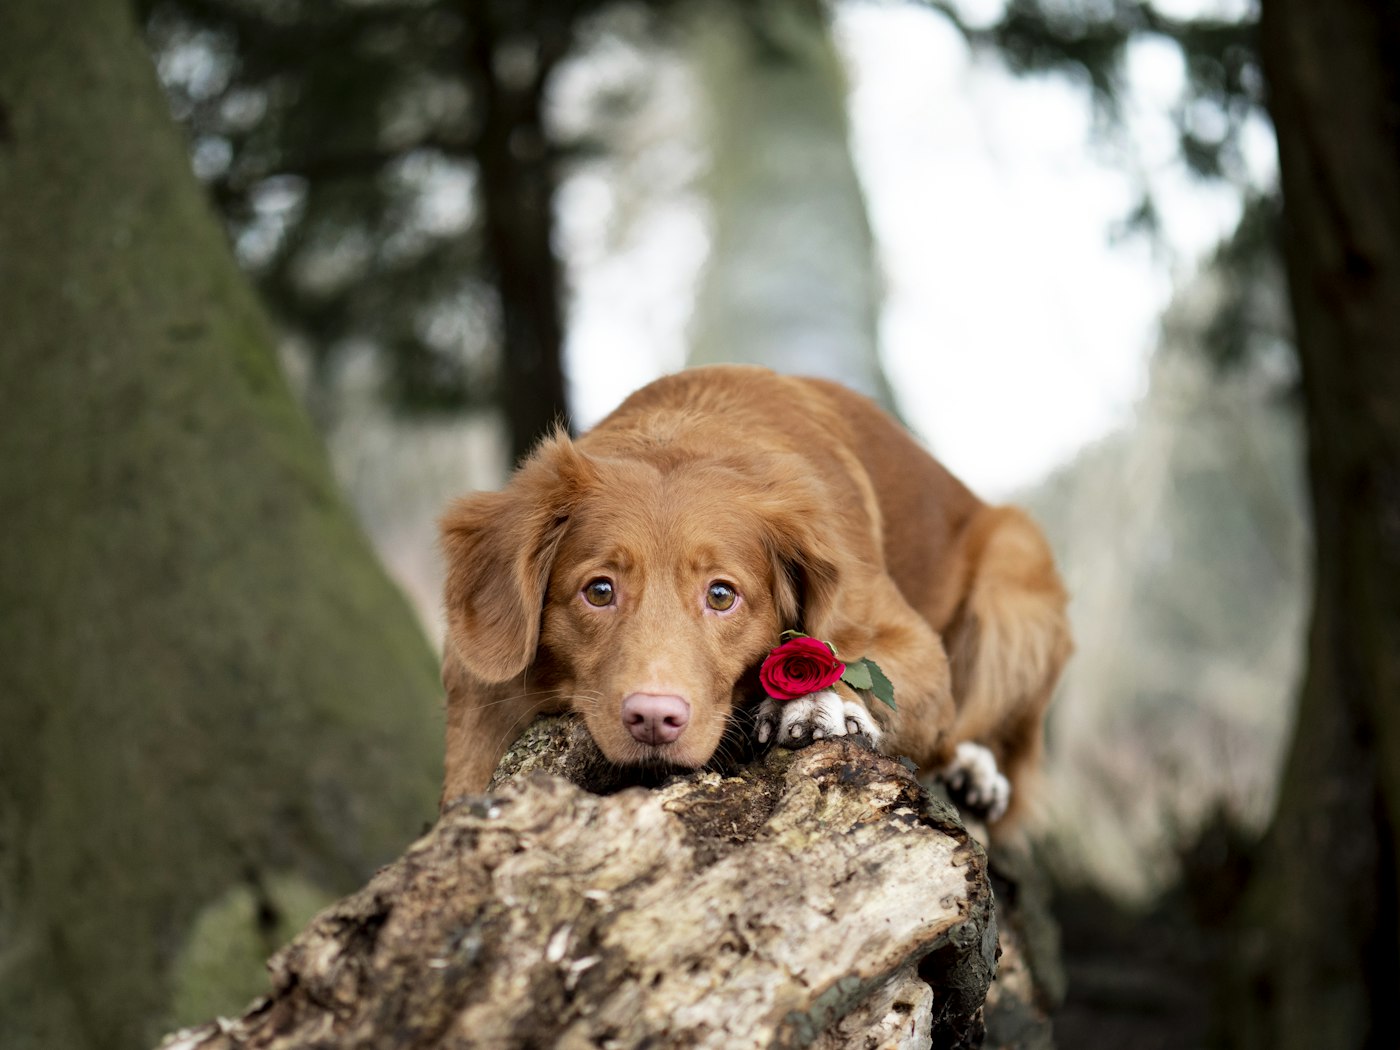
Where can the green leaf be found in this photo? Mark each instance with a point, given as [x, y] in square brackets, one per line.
[883, 688]
[857, 675]
[788, 636]
[866, 676]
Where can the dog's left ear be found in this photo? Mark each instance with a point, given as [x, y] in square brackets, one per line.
[499, 548]
[819, 582]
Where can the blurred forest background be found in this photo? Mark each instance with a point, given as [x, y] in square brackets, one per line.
[465, 220]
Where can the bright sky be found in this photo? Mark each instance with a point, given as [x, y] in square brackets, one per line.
[1014, 329]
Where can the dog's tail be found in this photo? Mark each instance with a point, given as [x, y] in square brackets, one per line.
[1008, 641]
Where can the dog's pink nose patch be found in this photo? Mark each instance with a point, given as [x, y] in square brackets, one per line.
[653, 718]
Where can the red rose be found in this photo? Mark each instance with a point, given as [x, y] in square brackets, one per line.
[800, 666]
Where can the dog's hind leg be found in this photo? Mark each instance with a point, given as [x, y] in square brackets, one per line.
[1006, 645]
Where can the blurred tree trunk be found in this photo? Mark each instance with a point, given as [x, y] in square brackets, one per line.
[217, 712]
[514, 47]
[1324, 950]
[791, 281]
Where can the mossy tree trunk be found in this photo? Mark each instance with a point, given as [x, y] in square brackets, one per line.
[1323, 953]
[215, 711]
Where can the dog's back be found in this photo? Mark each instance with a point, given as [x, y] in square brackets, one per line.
[983, 577]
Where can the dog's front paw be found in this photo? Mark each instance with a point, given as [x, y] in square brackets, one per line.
[796, 723]
[976, 783]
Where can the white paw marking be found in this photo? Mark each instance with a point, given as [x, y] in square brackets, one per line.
[973, 777]
[796, 723]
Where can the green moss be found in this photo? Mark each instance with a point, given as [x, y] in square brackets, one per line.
[833, 1004]
[203, 670]
[223, 965]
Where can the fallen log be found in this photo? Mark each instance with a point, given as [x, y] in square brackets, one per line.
[814, 898]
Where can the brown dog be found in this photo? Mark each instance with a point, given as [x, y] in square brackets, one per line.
[639, 575]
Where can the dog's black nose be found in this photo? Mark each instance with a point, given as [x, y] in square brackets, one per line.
[653, 718]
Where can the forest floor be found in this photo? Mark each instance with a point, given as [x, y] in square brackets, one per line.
[1145, 978]
[1136, 981]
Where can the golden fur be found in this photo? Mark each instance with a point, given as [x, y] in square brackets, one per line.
[821, 511]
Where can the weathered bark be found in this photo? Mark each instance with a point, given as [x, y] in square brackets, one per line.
[1030, 979]
[1322, 954]
[1030, 983]
[216, 713]
[514, 48]
[816, 898]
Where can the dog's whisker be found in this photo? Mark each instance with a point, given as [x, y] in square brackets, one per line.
[510, 735]
[589, 699]
[547, 693]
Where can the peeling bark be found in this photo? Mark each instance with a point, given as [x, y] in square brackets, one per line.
[818, 898]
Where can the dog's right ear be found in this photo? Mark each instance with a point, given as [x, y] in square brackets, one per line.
[499, 548]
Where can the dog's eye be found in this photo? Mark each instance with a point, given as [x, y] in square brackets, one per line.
[598, 592]
[720, 596]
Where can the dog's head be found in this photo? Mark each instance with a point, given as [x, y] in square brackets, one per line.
[644, 590]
